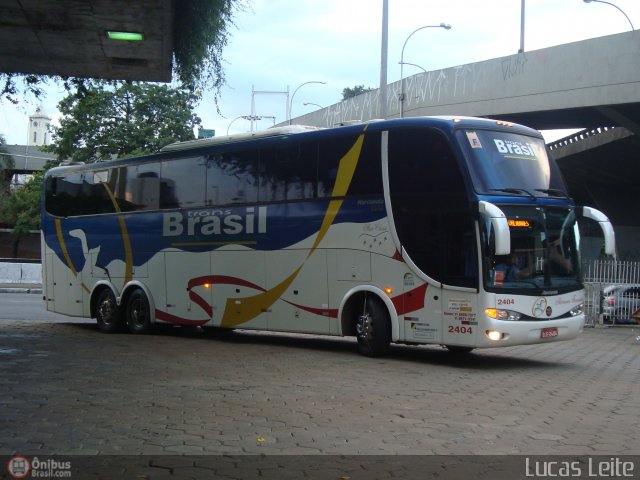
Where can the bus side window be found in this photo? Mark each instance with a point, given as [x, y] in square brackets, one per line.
[183, 182]
[232, 177]
[137, 187]
[268, 183]
[288, 173]
[330, 152]
[367, 179]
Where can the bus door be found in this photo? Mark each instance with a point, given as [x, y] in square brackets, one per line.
[64, 287]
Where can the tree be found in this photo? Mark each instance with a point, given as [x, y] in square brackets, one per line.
[7, 164]
[200, 35]
[115, 119]
[201, 29]
[21, 209]
[355, 91]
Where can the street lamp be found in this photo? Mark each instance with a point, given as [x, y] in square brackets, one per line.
[296, 90]
[314, 104]
[446, 26]
[413, 65]
[615, 6]
[251, 118]
[231, 123]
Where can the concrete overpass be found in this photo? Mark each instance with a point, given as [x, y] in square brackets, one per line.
[69, 39]
[588, 85]
[585, 84]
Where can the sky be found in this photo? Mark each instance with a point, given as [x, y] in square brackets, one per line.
[279, 45]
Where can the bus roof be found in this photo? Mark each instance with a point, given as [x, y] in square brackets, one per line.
[205, 142]
[461, 121]
[293, 129]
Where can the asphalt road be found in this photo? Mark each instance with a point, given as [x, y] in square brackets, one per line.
[30, 307]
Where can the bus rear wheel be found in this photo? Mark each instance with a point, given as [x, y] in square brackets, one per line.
[107, 312]
[373, 329]
[137, 312]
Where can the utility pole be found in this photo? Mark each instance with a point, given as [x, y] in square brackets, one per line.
[521, 27]
[382, 107]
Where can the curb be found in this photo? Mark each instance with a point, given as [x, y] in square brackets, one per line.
[20, 290]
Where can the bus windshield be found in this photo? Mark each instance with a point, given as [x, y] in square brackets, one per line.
[544, 250]
[505, 162]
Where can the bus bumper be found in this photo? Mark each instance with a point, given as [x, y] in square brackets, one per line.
[501, 333]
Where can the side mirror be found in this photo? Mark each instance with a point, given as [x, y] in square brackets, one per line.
[605, 225]
[500, 227]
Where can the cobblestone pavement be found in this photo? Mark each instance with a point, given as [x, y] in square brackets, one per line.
[67, 389]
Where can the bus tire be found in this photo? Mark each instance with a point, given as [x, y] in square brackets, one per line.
[373, 329]
[107, 312]
[137, 312]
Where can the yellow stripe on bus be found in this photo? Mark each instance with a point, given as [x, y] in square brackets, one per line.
[241, 310]
[128, 255]
[63, 247]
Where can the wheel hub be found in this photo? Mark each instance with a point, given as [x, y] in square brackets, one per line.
[106, 311]
[363, 326]
[137, 313]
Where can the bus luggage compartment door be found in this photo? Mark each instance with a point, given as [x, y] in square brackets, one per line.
[187, 277]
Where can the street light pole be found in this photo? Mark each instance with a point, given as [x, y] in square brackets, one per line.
[296, 90]
[446, 26]
[382, 108]
[615, 6]
[521, 27]
[314, 104]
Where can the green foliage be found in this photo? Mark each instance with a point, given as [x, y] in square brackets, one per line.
[15, 85]
[7, 165]
[21, 209]
[113, 119]
[354, 92]
[200, 35]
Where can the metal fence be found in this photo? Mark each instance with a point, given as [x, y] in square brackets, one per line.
[612, 292]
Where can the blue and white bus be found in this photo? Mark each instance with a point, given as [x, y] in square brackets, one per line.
[435, 230]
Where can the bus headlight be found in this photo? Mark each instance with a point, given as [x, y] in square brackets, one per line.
[499, 314]
[494, 335]
[577, 310]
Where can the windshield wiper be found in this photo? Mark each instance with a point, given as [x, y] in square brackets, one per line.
[553, 191]
[514, 190]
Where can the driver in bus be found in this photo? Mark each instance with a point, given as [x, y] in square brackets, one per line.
[559, 263]
[510, 269]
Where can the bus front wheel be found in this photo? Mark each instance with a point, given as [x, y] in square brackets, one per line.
[373, 329]
[137, 312]
[107, 312]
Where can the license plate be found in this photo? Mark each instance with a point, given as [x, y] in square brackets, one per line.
[549, 332]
